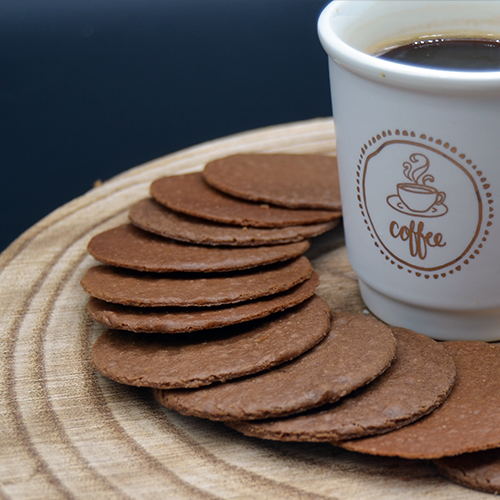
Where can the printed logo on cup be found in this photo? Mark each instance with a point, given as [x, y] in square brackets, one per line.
[426, 205]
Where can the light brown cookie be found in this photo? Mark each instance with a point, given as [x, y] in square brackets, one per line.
[288, 180]
[201, 358]
[479, 471]
[418, 380]
[182, 319]
[132, 288]
[190, 194]
[467, 421]
[151, 216]
[356, 350]
[130, 247]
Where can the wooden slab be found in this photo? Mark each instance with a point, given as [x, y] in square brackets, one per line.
[69, 433]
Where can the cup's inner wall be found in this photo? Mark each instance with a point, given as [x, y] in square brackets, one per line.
[372, 27]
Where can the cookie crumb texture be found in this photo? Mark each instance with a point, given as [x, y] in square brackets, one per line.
[418, 380]
[189, 319]
[288, 180]
[355, 351]
[190, 194]
[130, 288]
[467, 421]
[480, 470]
[132, 248]
[151, 216]
[201, 358]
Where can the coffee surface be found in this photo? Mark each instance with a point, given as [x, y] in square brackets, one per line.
[454, 54]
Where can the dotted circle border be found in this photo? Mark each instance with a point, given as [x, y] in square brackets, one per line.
[489, 214]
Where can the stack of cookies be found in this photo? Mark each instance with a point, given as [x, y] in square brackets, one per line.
[194, 258]
[203, 286]
[210, 302]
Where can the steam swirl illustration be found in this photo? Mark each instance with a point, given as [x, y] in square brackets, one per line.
[417, 174]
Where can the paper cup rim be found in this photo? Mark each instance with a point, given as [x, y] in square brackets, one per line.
[389, 72]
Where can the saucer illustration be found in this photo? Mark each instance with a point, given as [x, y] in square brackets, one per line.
[435, 211]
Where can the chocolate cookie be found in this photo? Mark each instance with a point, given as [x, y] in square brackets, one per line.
[190, 194]
[418, 380]
[132, 248]
[479, 471]
[467, 421]
[201, 358]
[288, 180]
[132, 288]
[356, 350]
[182, 319]
[156, 218]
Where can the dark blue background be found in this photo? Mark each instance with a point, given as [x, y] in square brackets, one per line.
[91, 88]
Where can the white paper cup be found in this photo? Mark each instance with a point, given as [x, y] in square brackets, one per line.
[419, 162]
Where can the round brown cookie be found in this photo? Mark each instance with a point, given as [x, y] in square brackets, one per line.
[180, 320]
[287, 180]
[479, 470]
[201, 358]
[132, 248]
[356, 350]
[156, 218]
[190, 194]
[467, 421]
[418, 380]
[132, 288]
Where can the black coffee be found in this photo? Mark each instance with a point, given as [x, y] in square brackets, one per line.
[454, 54]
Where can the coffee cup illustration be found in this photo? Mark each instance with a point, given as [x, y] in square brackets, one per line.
[418, 197]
